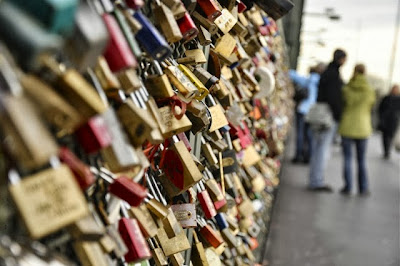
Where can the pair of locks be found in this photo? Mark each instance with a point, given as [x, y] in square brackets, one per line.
[140, 132]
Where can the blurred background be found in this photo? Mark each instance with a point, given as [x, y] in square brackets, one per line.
[366, 29]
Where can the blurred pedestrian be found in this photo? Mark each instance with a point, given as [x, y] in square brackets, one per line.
[355, 127]
[389, 116]
[305, 101]
[330, 92]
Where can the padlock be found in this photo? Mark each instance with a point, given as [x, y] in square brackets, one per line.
[172, 4]
[27, 139]
[48, 200]
[221, 221]
[215, 193]
[149, 37]
[158, 84]
[117, 53]
[225, 21]
[90, 253]
[179, 167]
[275, 9]
[185, 213]
[229, 238]
[84, 45]
[180, 80]
[202, 21]
[86, 229]
[129, 26]
[246, 208]
[157, 254]
[208, 152]
[130, 81]
[169, 124]
[27, 39]
[169, 26]
[172, 245]
[94, 135]
[210, 235]
[75, 88]
[145, 220]
[138, 122]
[124, 188]
[57, 16]
[119, 247]
[240, 29]
[202, 90]
[210, 8]
[81, 171]
[177, 259]
[198, 255]
[198, 55]
[205, 201]
[134, 4]
[229, 4]
[206, 78]
[250, 156]
[104, 74]
[188, 28]
[218, 118]
[55, 109]
[120, 155]
[130, 232]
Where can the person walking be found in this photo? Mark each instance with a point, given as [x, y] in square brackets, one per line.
[330, 92]
[389, 116]
[355, 128]
[303, 130]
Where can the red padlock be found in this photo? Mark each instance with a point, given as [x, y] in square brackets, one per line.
[128, 190]
[209, 234]
[118, 54]
[241, 7]
[81, 171]
[94, 135]
[134, 4]
[135, 242]
[205, 201]
[188, 28]
[210, 8]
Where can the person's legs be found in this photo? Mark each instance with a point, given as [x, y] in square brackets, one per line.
[299, 137]
[322, 141]
[387, 141]
[347, 161]
[361, 145]
[307, 148]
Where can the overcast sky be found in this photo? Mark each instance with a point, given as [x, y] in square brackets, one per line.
[365, 31]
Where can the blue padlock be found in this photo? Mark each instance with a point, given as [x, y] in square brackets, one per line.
[56, 15]
[151, 39]
[221, 221]
[25, 37]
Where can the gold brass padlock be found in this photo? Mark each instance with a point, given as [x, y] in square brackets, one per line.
[174, 244]
[225, 45]
[54, 108]
[75, 88]
[90, 253]
[49, 200]
[218, 117]
[146, 222]
[104, 74]
[169, 26]
[138, 122]
[28, 140]
[170, 125]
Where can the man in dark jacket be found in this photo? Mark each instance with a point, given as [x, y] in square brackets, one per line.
[389, 116]
[330, 92]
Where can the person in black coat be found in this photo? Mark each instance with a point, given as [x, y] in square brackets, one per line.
[330, 92]
[389, 116]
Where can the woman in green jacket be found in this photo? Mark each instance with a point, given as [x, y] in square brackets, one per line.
[355, 127]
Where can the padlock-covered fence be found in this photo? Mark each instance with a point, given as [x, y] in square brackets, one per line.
[140, 132]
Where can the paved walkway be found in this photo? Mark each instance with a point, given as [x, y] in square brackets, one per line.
[330, 229]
